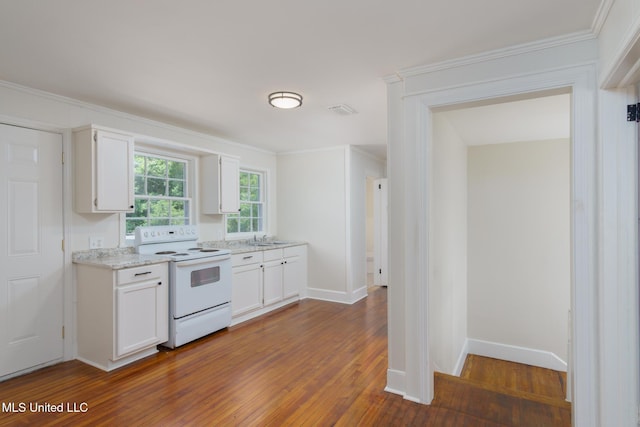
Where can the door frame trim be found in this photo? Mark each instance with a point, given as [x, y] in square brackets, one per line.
[581, 81]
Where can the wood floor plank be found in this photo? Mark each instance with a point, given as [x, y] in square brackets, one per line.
[515, 376]
[486, 401]
[313, 363]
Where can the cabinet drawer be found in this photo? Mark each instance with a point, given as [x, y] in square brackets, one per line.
[138, 274]
[272, 255]
[246, 258]
[295, 251]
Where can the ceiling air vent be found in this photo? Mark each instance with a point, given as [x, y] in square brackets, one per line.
[342, 109]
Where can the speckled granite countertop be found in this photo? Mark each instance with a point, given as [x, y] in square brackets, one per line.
[244, 246]
[119, 258]
[115, 259]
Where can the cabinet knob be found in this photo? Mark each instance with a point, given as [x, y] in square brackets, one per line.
[159, 283]
[131, 207]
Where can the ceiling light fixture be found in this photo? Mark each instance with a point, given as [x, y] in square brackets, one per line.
[285, 100]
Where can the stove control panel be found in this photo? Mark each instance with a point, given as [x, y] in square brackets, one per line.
[165, 234]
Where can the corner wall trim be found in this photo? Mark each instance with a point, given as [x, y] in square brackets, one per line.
[461, 358]
[395, 382]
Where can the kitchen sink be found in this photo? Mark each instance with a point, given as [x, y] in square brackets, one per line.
[271, 243]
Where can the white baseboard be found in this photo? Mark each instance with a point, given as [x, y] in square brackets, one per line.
[326, 295]
[512, 353]
[359, 294]
[395, 382]
[109, 365]
[337, 296]
[264, 310]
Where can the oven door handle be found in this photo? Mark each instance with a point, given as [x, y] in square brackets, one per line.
[208, 260]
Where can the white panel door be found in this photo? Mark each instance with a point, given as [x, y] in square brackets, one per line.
[380, 214]
[31, 256]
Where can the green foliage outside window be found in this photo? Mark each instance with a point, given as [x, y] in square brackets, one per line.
[250, 219]
[161, 193]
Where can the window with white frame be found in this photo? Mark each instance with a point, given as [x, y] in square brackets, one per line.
[162, 192]
[251, 217]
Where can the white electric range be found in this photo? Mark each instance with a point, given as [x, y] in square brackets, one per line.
[199, 281]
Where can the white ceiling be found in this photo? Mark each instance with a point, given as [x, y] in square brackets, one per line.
[209, 65]
[536, 119]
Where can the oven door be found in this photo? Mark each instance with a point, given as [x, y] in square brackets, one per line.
[199, 284]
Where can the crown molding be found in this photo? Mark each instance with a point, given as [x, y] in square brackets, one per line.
[393, 78]
[311, 150]
[497, 54]
[601, 16]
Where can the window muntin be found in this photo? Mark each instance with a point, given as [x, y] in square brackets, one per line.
[251, 218]
[161, 192]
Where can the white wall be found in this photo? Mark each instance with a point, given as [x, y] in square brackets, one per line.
[322, 200]
[519, 244]
[23, 104]
[447, 247]
[312, 207]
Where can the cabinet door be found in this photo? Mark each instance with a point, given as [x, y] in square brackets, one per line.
[272, 281]
[114, 171]
[229, 185]
[295, 270]
[141, 316]
[294, 274]
[246, 289]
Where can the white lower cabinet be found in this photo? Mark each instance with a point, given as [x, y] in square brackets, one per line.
[122, 314]
[139, 322]
[246, 292]
[266, 280]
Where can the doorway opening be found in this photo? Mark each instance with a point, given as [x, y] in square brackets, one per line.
[500, 232]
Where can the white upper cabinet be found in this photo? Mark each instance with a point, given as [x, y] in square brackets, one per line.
[219, 186]
[103, 163]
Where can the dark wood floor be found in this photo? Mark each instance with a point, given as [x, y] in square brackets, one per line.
[507, 393]
[312, 363]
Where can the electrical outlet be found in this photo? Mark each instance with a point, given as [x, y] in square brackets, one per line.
[96, 242]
